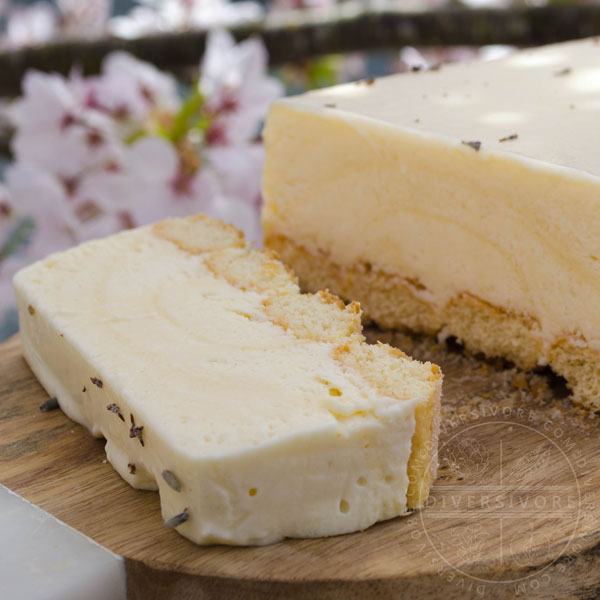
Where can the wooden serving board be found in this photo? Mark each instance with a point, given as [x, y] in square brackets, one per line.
[515, 511]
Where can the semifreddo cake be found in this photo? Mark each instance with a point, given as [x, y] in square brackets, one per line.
[464, 200]
[257, 412]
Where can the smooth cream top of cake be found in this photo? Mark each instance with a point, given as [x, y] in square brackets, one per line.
[548, 97]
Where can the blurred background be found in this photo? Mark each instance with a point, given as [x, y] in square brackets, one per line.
[118, 113]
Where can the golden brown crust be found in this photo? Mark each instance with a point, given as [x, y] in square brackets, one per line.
[199, 234]
[389, 300]
[422, 464]
[481, 326]
[494, 331]
[260, 271]
[321, 317]
[580, 366]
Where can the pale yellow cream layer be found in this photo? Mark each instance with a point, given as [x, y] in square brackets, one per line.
[379, 173]
[241, 411]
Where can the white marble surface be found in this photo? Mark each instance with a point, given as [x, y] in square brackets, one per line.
[41, 558]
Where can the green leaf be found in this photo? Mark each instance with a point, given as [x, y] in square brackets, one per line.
[135, 136]
[322, 72]
[191, 115]
[19, 237]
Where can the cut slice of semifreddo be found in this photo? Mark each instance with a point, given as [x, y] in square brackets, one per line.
[464, 201]
[257, 412]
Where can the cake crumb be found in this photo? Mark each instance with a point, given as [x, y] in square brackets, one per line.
[520, 381]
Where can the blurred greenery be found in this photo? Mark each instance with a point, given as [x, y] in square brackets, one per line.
[19, 236]
[322, 72]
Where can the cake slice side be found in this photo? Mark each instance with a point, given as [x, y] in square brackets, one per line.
[374, 192]
[214, 381]
[387, 369]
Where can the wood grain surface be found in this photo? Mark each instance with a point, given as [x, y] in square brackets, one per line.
[515, 511]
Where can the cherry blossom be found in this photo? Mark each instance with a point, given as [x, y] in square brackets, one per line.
[95, 155]
[178, 15]
[87, 18]
[39, 196]
[54, 129]
[236, 88]
[138, 191]
[140, 21]
[211, 13]
[239, 170]
[134, 94]
[240, 214]
[41, 22]
[29, 25]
